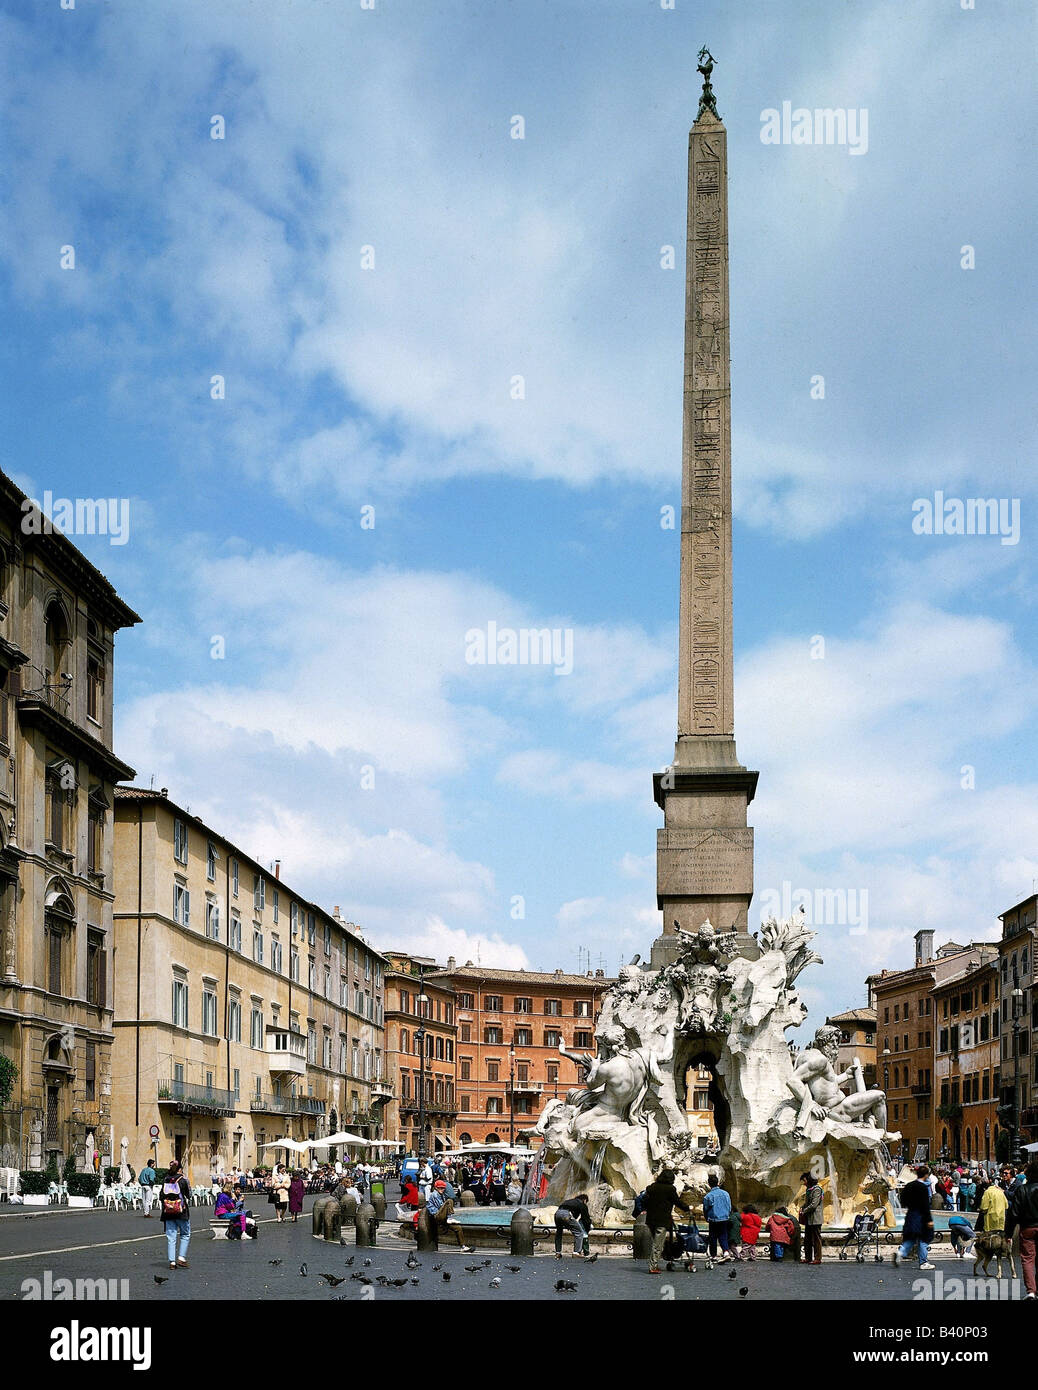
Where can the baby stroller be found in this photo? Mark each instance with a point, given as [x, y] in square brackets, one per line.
[865, 1233]
[682, 1244]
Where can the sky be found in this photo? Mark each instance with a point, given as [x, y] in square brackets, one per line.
[372, 373]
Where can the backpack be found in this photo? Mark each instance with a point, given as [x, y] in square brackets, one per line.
[172, 1200]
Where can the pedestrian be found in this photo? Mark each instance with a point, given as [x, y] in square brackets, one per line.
[779, 1230]
[573, 1215]
[1023, 1216]
[917, 1231]
[993, 1207]
[175, 1210]
[967, 1193]
[295, 1196]
[811, 1219]
[440, 1208]
[717, 1208]
[279, 1185]
[749, 1232]
[147, 1181]
[961, 1231]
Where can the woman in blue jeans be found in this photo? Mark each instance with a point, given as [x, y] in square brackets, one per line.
[175, 1209]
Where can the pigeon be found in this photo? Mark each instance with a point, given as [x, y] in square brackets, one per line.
[732, 1274]
[302, 1269]
[416, 1282]
[437, 1268]
[446, 1277]
[333, 1279]
[487, 1264]
[515, 1268]
[349, 1262]
[743, 1292]
[366, 1263]
[397, 1283]
[273, 1262]
[495, 1283]
[590, 1259]
[474, 1269]
[565, 1286]
[381, 1279]
[342, 1241]
[365, 1280]
[413, 1263]
[160, 1280]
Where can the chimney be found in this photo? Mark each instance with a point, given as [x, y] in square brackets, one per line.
[163, 791]
[923, 947]
[277, 869]
[451, 963]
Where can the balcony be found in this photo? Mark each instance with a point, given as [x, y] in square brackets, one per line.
[190, 1099]
[288, 1105]
[381, 1090]
[520, 1088]
[286, 1052]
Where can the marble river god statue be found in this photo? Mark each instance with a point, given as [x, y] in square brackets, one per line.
[778, 1113]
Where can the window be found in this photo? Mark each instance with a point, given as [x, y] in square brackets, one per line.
[61, 782]
[522, 1006]
[326, 1055]
[293, 917]
[466, 1068]
[582, 1039]
[256, 1028]
[97, 969]
[237, 1084]
[464, 1032]
[553, 1006]
[209, 1011]
[95, 688]
[179, 1002]
[212, 920]
[96, 808]
[91, 1072]
[465, 1001]
[524, 1037]
[492, 1003]
[582, 1008]
[54, 959]
[311, 928]
[234, 1019]
[181, 905]
[234, 877]
[257, 947]
[492, 1070]
[259, 892]
[495, 1105]
[276, 903]
[552, 1037]
[210, 862]
[493, 1036]
[276, 955]
[327, 939]
[180, 842]
[310, 973]
[235, 941]
[311, 1044]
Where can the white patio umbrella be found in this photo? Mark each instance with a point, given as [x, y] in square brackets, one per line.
[343, 1137]
[294, 1145]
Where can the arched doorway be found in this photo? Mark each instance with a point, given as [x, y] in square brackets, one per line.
[464, 1138]
[491, 1139]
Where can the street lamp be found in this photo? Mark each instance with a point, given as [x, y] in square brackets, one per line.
[1017, 998]
[419, 1038]
[511, 1094]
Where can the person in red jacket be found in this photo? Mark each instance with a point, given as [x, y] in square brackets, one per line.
[780, 1232]
[749, 1232]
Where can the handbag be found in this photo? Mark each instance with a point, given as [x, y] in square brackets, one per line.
[673, 1247]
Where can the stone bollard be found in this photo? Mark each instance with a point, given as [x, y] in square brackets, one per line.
[521, 1232]
[467, 1198]
[317, 1215]
[642, 1239]
[426, 1231]
[378, 1201]
[348, 1209]
[367, 1226]
[332, 1221]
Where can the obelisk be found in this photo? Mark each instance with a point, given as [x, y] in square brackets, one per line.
[704, 853]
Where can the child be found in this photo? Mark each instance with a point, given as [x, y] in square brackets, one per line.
[749, 1232]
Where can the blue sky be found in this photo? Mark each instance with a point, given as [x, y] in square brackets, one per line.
[390, 388]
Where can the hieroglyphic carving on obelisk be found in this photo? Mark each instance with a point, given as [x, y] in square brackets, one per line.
[705, 694]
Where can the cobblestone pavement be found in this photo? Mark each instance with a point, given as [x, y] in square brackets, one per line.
[126, 1246]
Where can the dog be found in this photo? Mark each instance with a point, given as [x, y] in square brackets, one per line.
[993, 1245]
